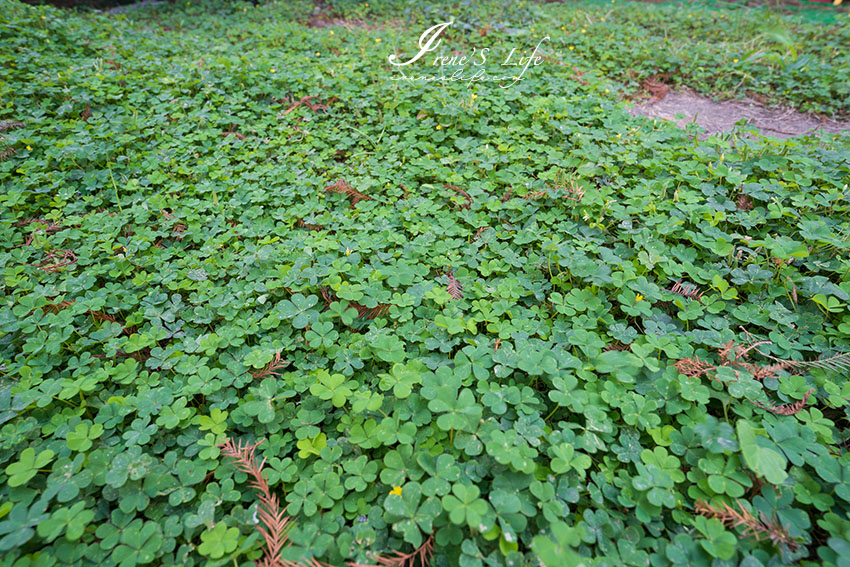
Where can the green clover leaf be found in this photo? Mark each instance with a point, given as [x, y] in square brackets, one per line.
[465, 507]
[761, 460]
[218, 541]
[27, 466]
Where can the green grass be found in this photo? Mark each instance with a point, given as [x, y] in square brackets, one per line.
[483, 352]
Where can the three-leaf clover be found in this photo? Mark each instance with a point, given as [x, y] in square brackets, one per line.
[27, 466]
[80, 439]
[72, 521]
[403, 377]
[218, 541]
[410, 515]
[465, 507]
[321, 335]
[333, 387]
[139, 545]
[300, 310]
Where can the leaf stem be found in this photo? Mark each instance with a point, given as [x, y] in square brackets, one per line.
[115, 187]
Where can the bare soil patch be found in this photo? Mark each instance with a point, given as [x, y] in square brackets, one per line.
[721, 116]
[122, 9]
[324, 20]
[324, 16]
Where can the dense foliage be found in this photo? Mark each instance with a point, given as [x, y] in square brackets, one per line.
[515, 326]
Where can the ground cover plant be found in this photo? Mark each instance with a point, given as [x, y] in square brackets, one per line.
[262, 304]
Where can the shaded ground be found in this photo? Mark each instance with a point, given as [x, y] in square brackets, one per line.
[134, 6]
[716, 116]
[325, 19]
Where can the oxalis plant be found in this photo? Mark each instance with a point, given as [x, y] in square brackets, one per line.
[263, 305]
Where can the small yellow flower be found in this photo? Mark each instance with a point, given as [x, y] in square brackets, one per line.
[347, 251]
[29, 148]
[638, 297]
[836, 2]
[619, 135]
[317, 54]
[396, 491]
[734, 61]
[332, 32]
[439, 127]
[583, 30]
[563, 28]
[474, 96]
[571, 48]
[272, 70]
[377, 40]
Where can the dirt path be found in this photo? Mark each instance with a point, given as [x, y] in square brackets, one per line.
[721, 116]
